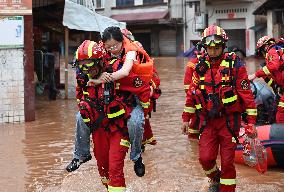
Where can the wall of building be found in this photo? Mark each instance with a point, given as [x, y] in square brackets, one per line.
[11, 86]
[237, 16]
[190, 29]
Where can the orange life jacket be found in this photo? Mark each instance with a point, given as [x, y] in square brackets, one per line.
[144, 65]
[139, 78]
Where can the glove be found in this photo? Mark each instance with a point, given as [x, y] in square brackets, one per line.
[250, 131]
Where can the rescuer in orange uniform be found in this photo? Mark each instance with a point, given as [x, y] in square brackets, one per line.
[132, 70]
[218, 94]
[102, 114]
[193, 131]
[273, 52]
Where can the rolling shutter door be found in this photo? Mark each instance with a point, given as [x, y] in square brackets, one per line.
[167, 42]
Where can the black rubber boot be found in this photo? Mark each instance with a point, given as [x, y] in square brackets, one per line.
[75, 163]
[213, 186]
[214, 183]
[139, 167]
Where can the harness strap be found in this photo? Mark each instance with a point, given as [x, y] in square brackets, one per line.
[232, 131]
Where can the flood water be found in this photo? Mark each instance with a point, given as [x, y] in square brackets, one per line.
[33, 155]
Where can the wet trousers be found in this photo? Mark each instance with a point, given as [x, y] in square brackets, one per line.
[110, 149]
[280, 111]
[214, 136]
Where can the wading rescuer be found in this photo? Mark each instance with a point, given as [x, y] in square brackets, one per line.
[193, 131]
[132, 69]
[218, 94]
[103, 115]
[273, 70]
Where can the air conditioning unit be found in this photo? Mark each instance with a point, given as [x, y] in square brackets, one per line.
[201, 21]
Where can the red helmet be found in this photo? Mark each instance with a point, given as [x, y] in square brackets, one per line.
[90, 50]
[128, 34]
[214, 35]
[265, 40]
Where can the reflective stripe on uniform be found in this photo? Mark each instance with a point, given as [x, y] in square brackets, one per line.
[124, 143]
[251, 112]
[78, 100]
[266, 70]
[230, 99]
[90, 48]
[270, 82]
[148, 140]
[85, 92]
[198, 106]
[116, 189]
[189, 110]
[281, 104]
[145, 105]
[86, 120]
[116, 114]
[202, 79]
[112, 61]
[208, 172]
[225, 78]
[186, 86]
[228, 181]
[193, 131]
[77, 54]
[90, 64]
[226, 63]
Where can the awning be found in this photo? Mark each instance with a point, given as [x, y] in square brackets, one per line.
[258, 27]
[80, 17]
[145, 16]
[269, 5]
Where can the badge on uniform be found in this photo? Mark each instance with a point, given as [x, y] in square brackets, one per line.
[137, 82]
[245, 84]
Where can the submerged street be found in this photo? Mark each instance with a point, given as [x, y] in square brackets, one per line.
[33, 155]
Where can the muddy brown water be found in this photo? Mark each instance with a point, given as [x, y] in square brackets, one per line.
[33, 155]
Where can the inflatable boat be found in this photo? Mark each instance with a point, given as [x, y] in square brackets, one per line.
[272, 138]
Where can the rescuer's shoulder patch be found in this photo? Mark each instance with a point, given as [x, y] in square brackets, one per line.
[245, 84]
[137, 82]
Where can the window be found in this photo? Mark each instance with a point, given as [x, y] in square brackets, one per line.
[99, 3]
[279, 16]
[152, 1]
[3, 1]
[197, 7]
[121, 3]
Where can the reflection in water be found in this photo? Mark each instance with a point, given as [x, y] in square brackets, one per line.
[34, 155]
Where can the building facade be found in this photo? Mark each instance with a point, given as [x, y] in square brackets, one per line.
[151, 23]
[273, 14]
[16, 78]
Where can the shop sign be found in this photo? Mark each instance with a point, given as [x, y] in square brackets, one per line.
[12, 32]
[15, 7]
